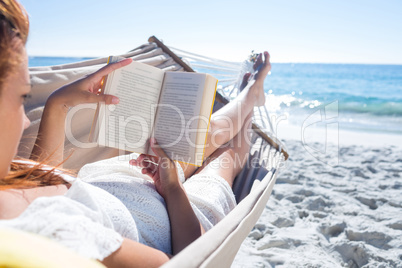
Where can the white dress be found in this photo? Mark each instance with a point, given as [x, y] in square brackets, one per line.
[110, 200]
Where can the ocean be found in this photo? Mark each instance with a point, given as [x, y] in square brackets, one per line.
[49, 61]
[359, 97]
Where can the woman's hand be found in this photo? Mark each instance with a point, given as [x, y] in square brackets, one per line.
[49, 144]
[184, 224]
[85, 90]
[160, 168]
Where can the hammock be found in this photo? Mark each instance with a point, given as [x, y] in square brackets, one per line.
[252, 187]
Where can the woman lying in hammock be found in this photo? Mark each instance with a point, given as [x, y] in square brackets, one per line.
[132, 221]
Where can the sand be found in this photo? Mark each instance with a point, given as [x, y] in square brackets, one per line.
[334, 205]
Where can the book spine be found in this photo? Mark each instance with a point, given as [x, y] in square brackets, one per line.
[209, 122]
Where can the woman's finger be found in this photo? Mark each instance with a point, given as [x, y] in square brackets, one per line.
[110, 68]
[150, 157]
[107, 99]
[149, 171]
[157, 149]
[144, 161]
[94, 98]
[150, 167]
[164, 160]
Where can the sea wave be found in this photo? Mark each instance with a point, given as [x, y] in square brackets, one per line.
[358, 105]
[379, 109]
[382, 117]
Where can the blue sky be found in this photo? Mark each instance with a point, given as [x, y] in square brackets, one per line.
[341, 31]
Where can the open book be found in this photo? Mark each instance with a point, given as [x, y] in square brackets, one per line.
[173, 107]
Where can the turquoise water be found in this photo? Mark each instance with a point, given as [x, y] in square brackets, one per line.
[367, 97]
[49, 61]
[373, 89]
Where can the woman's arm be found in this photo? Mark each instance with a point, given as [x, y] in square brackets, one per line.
[49, 143]
[185, 226]
[133, 254]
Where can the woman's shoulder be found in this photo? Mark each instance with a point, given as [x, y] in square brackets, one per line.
[14, 201]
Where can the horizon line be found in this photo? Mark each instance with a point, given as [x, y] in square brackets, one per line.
[281, 62]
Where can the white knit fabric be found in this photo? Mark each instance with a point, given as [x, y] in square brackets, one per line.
[92, 220]
[210, 196]
[138, 194]
[87, 219]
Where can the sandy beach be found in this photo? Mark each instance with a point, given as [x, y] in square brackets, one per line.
[335, 204]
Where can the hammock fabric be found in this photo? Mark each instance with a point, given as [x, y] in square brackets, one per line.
[218, 247]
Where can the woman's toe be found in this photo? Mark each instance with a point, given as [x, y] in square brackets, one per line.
[246, 77]
[258, 62]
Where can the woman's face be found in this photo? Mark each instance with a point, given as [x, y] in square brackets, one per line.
[13, 120]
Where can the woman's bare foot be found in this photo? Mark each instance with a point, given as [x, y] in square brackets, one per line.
[256, 81]
[256, 66]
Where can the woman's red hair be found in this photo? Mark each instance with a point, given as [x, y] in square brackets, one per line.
[14, 28]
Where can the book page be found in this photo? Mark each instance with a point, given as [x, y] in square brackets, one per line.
[128, 125]
[177, 117]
